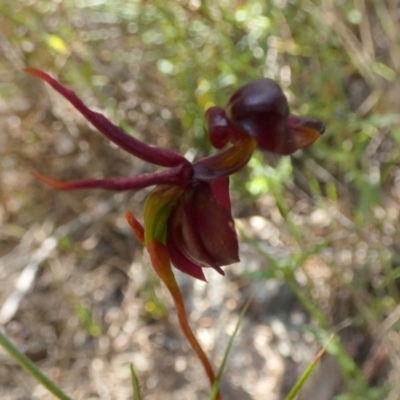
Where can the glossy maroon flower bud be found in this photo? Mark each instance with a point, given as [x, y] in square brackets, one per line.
[260, 108]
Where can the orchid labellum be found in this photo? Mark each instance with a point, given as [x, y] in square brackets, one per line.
[187, 216]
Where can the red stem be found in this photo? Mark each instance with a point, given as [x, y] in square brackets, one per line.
[160, 260]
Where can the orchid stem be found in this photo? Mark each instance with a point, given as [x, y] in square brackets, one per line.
[162, 266]
[160, 260]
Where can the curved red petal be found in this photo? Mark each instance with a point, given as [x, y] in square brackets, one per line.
[215, 226]
[184, 234]
[304, 131]
[220, 188]
[226, 162]
[202, 229]
[181, 262]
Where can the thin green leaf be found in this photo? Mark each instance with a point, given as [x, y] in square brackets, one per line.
[135, 384]
[31, 368]
[215, 388]
[307, 373]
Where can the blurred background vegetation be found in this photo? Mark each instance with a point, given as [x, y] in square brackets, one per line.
[320, 230]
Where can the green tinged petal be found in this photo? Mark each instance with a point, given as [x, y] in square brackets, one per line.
[157, 209]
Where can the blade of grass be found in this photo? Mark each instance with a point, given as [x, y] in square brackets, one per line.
[275, 272]
[135, 384]
[31, 368]
[307, 373]
[353, 377]
[215, 388]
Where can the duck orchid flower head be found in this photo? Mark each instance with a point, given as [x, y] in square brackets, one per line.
[187, 216]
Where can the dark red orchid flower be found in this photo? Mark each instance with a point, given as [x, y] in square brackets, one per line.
[187, 217]
[261, 110]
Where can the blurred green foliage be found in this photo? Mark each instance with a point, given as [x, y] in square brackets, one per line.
[85, 317]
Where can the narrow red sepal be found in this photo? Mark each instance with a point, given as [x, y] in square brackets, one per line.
[179, 176]
[154, 155]
[181, 262]
[136, 226]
